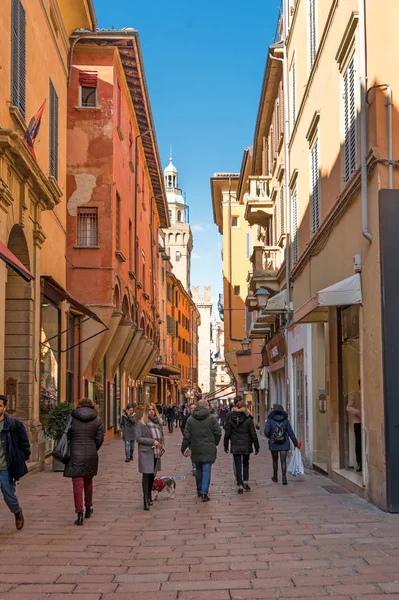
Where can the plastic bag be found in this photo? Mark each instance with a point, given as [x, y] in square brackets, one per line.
[295, 465]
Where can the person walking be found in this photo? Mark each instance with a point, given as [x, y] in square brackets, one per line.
[86, 438]
[128, 428]
[201, 435]
[170, 417]
[151, 446]
[190, 411]
[279, 432]
[224, 413]
[14, 452]
[240, 432]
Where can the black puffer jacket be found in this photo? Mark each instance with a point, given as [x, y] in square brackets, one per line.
[87, 436]
[202, 434]
[240, 431]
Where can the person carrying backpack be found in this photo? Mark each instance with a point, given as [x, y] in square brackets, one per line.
[279, 432]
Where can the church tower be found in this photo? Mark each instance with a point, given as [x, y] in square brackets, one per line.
[178, 238]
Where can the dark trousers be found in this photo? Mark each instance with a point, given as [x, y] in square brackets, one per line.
[148, 481]
[81, 484]
[283, 461]
[241, 463]
[170, 425]
[357, 428]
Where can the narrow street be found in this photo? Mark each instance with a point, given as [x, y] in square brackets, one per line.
[299, 541]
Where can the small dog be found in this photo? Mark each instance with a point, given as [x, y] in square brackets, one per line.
[164, 484]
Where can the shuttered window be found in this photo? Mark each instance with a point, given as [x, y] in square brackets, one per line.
[282, 212]
[87, 227]
[118, 223]
[248, 245]
[294, 200]
[275, 225]
[349, 116]
[312, 32]
[315, 186]
[53, 143]
[18, 57]
[292, 95]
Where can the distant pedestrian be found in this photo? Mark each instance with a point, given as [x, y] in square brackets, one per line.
[14, 452]
[241, 433]
[151, 446]
[192, 408]
[128, 428]
[201, 435]
[170, 417]
[86, 438]
[224, 415]
[279, 431]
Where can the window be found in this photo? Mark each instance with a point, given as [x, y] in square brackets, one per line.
[315, 186]
[130, 247]
[118, 222]
[87, 227]
[275, 240]
[178, 256]
[237, 290]
[179, 216]
[349, 118]
[312, 32]
[235, 221]
[248, 245]
[282, 217]
[53, 131]
[18, 57]
[294, 200]
[292, 94]
[143, 275]
[88, 89]
[265, 157]
[170, 217]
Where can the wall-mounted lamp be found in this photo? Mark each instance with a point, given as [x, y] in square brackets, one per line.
[262, 296]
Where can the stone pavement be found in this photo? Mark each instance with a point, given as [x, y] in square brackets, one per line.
[298, 541]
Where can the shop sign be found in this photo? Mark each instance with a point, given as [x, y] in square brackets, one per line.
[276, 349]
[274, 352]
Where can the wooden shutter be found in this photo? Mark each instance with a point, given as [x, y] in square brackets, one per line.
[315, 186]
[294, 226]
[282, 212]
[293, 95]
[312, 32]
[53, 132]
[349, 113]
[275, 240]
[18, 57]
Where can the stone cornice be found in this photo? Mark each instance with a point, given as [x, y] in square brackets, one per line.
[46, 190]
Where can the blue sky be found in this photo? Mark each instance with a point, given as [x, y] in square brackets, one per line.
[204, 65]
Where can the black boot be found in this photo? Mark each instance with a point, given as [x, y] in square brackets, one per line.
[275, 478]
[79, 520]
[285, 482]
[89, 512]
[150, 500]
[146, 502]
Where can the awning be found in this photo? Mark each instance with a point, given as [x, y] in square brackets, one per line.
[12, 261]
[344, 293]
[88, 79]
[276, 304]
[64, 295]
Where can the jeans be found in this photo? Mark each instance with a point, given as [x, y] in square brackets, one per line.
[80, 484]
[203, 477]
[241, 463]
[170, 426]
[129, 449]
[9, 492]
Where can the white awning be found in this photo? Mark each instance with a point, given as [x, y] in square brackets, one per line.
[344, 293]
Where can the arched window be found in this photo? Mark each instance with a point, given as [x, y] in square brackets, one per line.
[170, 238]
[179, 216]
[170, 214]
[178, 238]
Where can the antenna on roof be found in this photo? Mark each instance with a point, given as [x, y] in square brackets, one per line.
[170, 154]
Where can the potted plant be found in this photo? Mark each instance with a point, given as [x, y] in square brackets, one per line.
[57, 419]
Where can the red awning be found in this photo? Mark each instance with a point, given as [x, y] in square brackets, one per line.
[88, 79]
[12, 261]
[64, 295]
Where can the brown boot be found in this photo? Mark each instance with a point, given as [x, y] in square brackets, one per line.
[19, 520]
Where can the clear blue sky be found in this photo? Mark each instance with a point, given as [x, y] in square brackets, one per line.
[204, 64]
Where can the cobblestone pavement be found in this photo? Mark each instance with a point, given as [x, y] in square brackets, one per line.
[298, 541]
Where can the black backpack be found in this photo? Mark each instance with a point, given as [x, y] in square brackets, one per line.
[279, 435]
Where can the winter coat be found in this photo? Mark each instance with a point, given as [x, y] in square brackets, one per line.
[170, 413]
[145, 443]
[224, 415]
[240, 432]
[279, 417]
[15, 441]
[128, 427]
[185, 418]
[86, 438]
[202, 434]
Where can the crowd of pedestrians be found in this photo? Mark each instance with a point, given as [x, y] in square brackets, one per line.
[201, 429]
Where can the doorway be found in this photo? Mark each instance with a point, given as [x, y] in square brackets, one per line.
[299, 395]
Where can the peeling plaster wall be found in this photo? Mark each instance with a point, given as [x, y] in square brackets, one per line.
[85, 183]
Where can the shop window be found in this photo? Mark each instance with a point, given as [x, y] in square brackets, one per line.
[111, 405]
[117, 382]
[49, 362]
[70, 362]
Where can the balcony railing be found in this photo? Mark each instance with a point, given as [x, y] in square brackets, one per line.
[266, 265]
[259, 205]
[259, 187]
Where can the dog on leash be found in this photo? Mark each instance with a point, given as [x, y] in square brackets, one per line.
[164, 485]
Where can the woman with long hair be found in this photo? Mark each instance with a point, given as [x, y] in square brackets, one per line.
[86, 438]
[279, 432]
[151, 446]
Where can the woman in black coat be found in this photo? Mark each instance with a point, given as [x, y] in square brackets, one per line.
[241, 433]
[86, 437]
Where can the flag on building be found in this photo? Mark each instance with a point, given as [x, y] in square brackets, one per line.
[33, 130]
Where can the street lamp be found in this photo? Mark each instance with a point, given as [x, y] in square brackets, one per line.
[262, 296]
[159, 364]
[245, 344]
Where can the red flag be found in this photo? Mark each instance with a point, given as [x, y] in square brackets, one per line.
[33, 130]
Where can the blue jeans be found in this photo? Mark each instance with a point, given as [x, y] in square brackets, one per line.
[9, 492]
[129, 449]
[203, 477]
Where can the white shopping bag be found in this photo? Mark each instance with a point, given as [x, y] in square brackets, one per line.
[295, 465]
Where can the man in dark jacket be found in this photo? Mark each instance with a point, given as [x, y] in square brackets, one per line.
[240, 432]
[224, 415]
[202, 434]
[170, 417]
[128, 428]
[14, 451]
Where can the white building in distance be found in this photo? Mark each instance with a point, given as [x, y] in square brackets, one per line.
[204, 306]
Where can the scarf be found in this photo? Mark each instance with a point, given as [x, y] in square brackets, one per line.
[157, 434]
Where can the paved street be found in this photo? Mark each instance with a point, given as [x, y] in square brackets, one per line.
[298, 541]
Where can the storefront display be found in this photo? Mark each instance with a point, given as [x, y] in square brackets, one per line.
[49, 363]
[99, 391]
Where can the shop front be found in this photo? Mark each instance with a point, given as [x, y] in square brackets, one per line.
[276, 351]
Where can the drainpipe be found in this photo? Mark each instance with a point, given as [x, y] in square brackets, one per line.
[363, 120]
[389, 136]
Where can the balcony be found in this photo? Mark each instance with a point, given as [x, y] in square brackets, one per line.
[259, 205]
[267, 262]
